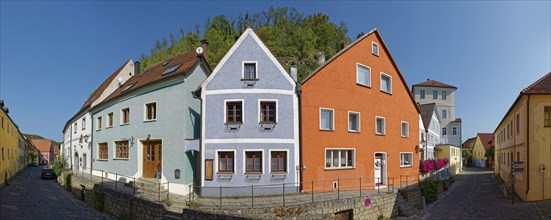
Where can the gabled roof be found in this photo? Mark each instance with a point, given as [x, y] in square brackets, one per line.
[427, 110]
[43, 145]
[486, 139]
[56, 149]
[182, 63]
[248, 32]
[434, 83]
[469, 143]
[540, 86]
[383, 45]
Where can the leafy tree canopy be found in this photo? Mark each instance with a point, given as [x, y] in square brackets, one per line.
[36, 136]
[295, 39]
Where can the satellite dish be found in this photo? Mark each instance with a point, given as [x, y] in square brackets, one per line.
[199, 50]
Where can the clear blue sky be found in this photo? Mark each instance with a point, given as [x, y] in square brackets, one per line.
[55, 53]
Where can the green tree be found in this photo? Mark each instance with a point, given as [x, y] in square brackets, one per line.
[60, 164]
[490, 152]
[466, 153]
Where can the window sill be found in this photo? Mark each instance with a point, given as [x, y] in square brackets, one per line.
[98, 129]
[352, 131]
[150, 120]
[249, 79]
[331, 130]
[267, 123]
[380, 134]
[121, 159]
[279, 173]
[374, 54]
[102, 159]
[225, 173]
[339, 168]
[388, 93]
[407, 166]
[233, 123]
[253, 173]
[405, 136]
[125, 124]
[109, 127]
[362, 85]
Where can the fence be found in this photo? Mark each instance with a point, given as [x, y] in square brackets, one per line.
[146, 189]
[284, 194]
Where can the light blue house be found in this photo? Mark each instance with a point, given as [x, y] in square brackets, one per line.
[250, 123]
[149, 128]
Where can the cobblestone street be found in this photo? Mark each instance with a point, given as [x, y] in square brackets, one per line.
[30, 197]
[476, 195]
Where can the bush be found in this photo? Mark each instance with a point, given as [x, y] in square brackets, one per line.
[429, 189]
[59, 165]
[426, 166]
[67, 178]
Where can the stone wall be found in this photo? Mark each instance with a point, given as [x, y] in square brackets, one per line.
[384, 204]
[413, 195]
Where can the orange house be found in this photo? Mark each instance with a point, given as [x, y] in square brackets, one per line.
[359, 120]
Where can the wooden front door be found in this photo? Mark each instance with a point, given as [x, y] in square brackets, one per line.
[152, 158]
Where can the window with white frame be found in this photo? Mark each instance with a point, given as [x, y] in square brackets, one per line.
[406, 159]
[380, 125]
[103, 152]
[151, 111]
[444, 95]
[121, 149]
[253, 161]
[234, 112]
[110, 119]
[354, 121]
[98, 123]
[363, 75]
[326, 119]
[278, 161]
[422, 94]
[74, 130]
[83, 123]
[375, 48]
[405, 129]
[339, 158]
[444, 113]
[125, 116]
[434, 94]
[454, 130]
[268, 111]
[444, 132]
[250, 71]
[226, 161]
[386, 83]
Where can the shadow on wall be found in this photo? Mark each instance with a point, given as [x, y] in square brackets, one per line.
[195, 118]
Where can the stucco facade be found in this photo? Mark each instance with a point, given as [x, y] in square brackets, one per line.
[242, 144]
[343, 103]
[453, 153]
[8, 145]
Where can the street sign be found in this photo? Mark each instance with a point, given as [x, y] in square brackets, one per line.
[518, 167]
[367, 202]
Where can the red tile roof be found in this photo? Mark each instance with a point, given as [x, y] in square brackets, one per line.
[434, 83]
[43, 145]
[56, 149]
[486, 139]
[540, 86]
[469, 143]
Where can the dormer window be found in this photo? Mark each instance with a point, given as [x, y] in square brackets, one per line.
[250, 72]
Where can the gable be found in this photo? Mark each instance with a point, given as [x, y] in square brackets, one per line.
[228, 73]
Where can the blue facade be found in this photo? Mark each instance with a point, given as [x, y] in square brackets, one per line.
[270, 143]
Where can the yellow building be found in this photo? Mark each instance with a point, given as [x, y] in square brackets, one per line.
[482, 142]
[524, 135]
[8, 144]
[453, 153]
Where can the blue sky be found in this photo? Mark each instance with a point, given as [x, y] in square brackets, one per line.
[54, 54]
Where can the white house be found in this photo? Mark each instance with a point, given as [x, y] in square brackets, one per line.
[431, 129]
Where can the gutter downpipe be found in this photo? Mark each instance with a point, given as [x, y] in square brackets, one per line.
[299, 94]
[90, 142]
[528, 147]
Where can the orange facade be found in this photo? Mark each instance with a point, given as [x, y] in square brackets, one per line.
[334, 86]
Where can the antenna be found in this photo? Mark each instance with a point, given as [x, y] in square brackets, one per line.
[199, 50]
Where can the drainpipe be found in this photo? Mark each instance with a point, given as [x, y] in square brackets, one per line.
[528, 146]
[299, 94]
[90, 143]
[71, 144]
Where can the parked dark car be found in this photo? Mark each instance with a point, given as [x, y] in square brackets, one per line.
[47, 173]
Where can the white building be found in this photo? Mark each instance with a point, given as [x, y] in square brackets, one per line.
[77, 133]
[430, 135]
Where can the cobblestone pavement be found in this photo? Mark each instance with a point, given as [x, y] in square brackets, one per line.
[30, 197]
[476, 195]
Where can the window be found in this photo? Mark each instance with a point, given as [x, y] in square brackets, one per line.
[253, 162]
[125, 116]
[386, 83]
[339, 158]
[103, 151]
[518, 123]
[83, 123]
[226, 161]
[98, 124]
[375, 48]
[354, 121]
[454, 130]
[405, 129]
[363, 75]
[74, 130]
[444, 132]
[326, 119]
[249, 71]
[518, 156]
[268, 111]
[380, 125]
[234, 112]
[444, 113]
[444, 95]
[422, 94]
[278, 161]
[547, 116]
[110, 119]
[434, 94]
[151, 111]
[406, 159]
[121, 149]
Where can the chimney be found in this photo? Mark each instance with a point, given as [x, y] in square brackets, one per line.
[428, 79]
[1, 103]
[294, 73]
[7, 110]
[205, 46]
[137, 68]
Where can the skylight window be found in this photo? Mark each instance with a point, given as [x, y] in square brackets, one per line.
[128, 87]
[172, 69]
[167, 62]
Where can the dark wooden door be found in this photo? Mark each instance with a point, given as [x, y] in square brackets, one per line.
[152, 158]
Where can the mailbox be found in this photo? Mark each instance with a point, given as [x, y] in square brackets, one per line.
[177, 174]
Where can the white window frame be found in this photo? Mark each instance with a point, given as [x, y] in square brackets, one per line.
[434, 94]
[384, 125]
[340, 150]
[286, 160]
[454, 130]
[276, 110]
[226, 110]
[373, 48]
[98, 145]
[368, 77]
[402, 130]
[74, 130]
[107, 125]
[216, 161]
[359, 121]
[444, 95]
[389, 81]
[122, 116]
[245, 162]
[401, 162]
[145, 111]
[243, 69]
[83, 123]
[332, 119]
[422, 94]
[99, 123]
[446, 113]
[444, 131]
[115, 157]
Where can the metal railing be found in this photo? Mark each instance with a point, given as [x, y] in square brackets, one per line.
[146, 189]
[284, 194]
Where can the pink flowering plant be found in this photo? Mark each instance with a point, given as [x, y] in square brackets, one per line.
[426, 166]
